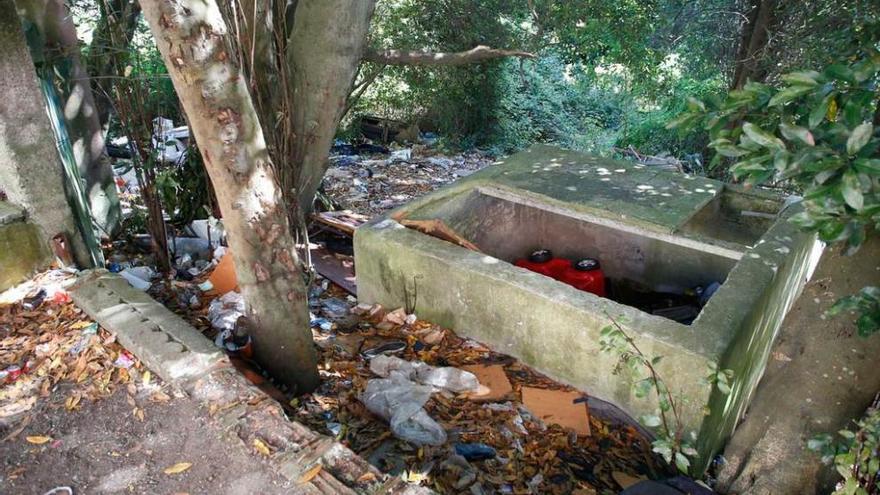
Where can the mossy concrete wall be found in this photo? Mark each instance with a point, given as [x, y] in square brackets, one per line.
[22, 251]
[31, 173]
[554, 327]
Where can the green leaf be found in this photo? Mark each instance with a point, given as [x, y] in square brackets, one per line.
[652, 421]
[682, 462]
[859, 138]
[723, 387]
[851, 190]
[870, 166]
[841, 72]
[788, 94]
[794, 132]
[819, 111]
[809, 78]
[731, 151]
[695, 105]
[762, 137]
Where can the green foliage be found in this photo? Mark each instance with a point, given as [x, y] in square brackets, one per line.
[185, 189]
[856, 455]
[867, 304]
[813, 130]
[671, 443]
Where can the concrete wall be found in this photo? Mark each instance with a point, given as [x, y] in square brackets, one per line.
[22, 250]
[31, 173]
[555, 328]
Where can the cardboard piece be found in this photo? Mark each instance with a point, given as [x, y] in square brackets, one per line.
[495, 385]
[223, 277]
[558, 407]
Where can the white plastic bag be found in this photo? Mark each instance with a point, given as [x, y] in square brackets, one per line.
[225, 310]
[447, 378]
[400, 401]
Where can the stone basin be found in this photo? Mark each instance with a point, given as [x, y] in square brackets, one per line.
[655, 229]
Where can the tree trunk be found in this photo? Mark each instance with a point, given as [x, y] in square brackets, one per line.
[755, 38]
[325, 48]
[59, 50]
[108, 51]
[191, 35]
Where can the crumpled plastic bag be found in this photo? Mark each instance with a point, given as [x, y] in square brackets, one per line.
[223, 313]
[399, 401]
[400, 395]
[447, 378]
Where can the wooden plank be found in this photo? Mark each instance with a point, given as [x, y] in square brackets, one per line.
[339, 268]
[345, 221]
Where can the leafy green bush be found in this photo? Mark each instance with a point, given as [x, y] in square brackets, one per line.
[856, 456]
[814, 130]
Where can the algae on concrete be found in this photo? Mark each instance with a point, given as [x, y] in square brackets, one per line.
[22, 252]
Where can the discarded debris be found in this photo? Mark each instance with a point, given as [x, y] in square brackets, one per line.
[178, 468]
[560, 407]
[437, 228]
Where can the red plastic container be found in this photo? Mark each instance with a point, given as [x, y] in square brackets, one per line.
[585, 275]
[543, 262]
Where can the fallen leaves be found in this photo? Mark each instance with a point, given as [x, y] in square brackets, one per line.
[54, 344]
[178, 468]
[310, 474]
[262, 447]
[38, 439]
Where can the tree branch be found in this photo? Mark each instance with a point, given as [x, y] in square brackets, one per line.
[478, 54]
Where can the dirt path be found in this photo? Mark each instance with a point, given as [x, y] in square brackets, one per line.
[103, 448]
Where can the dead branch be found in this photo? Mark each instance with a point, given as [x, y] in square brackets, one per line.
[474, 55]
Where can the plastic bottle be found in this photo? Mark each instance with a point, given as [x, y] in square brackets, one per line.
[543, 262]
[585, 275]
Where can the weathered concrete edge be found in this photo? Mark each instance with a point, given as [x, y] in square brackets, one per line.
[388, 247]
[182, 356]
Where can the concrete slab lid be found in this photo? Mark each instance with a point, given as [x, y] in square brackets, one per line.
[558, 407]
[622, 189]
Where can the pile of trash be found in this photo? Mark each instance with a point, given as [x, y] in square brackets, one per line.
[372, 180]
[420, 402]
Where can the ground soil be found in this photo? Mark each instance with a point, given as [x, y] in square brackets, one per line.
[820, 377]
[103, 448]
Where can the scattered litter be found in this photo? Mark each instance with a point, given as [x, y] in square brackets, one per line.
[494, 383]
[125, 360]
[475, 451]
[178, 468]
[34, 301]
[447, 377]
[400, 402]
[223, 278]
[139, 277]
[224, 311]
[566, 409]
[392, 347]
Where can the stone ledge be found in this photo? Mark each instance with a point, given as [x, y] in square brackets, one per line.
[179, 354]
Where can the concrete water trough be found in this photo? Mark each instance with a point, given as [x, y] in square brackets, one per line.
[657, 231]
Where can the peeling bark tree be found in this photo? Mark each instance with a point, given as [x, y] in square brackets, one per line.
[289, 66]
[192, 37]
